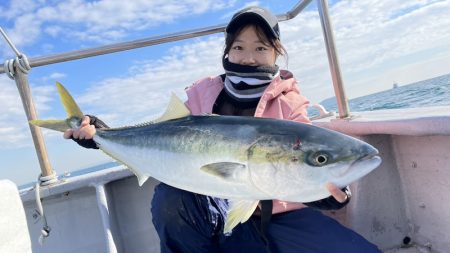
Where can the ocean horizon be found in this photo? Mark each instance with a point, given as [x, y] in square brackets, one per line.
[430, 92]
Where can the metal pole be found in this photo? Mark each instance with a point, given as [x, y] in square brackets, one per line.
[102, 202]
[27, 101]
[294, 11]
[342, 101]
[113, 48]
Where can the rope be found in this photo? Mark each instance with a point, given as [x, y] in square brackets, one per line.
[47, 180]
[9, 68]
[21, 61]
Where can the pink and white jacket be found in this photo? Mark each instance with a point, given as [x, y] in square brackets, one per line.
[281, 100]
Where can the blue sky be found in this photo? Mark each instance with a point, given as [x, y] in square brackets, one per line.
[378, 41]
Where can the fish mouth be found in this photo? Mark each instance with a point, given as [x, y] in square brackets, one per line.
[373, 155]
[359, 167]
[364, 165]
[369, 157]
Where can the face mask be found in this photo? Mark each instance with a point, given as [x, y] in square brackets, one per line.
[247, 83]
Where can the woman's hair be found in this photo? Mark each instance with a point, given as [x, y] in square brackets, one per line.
[264, 36]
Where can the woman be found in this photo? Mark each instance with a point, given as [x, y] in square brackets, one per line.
[252, 85]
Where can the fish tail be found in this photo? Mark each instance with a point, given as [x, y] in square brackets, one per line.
[74, 114]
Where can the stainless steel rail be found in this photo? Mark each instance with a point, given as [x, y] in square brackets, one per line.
[333, 61]
[22, 78]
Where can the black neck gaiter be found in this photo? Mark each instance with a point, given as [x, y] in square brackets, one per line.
[247, 83]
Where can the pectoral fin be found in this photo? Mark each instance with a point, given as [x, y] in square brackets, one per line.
[239, 212]
[141, 177]
[227, 170]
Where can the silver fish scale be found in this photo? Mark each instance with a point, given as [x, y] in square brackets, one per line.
[277, 156]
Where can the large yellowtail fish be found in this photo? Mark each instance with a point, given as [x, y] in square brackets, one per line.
[242, 159]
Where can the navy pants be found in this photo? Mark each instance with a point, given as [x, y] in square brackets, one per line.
[189, 222]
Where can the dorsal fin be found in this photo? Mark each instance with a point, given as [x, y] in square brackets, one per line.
[176, 109]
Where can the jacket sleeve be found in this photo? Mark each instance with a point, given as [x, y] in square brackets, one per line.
[299, 105]
[299, 112]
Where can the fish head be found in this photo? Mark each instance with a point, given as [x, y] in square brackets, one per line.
[336, 158]
[307, 160]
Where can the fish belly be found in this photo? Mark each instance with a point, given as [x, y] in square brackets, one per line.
[181, 170]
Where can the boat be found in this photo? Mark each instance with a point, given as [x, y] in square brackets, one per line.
[403, 206]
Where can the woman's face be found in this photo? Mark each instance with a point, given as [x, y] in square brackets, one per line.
[248, 49]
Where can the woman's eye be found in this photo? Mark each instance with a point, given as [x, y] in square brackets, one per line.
[261, 49]
[237, 48]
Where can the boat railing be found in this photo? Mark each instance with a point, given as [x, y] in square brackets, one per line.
[18, 67]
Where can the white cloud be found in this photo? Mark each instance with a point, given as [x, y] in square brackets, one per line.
[16, 8]
[57, 75]
[14, 130]
[228, 15]
[52, 77]
[10, 104]
[145, 92]
[98, 21]
[25, 31]
[393, 33]
[372, 37]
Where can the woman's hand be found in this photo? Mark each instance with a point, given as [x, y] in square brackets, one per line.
[337, 193]
[84, 131]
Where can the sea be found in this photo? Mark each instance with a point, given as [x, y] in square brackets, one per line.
[430, 92]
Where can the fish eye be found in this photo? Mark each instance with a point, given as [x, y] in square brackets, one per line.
[319, 159]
